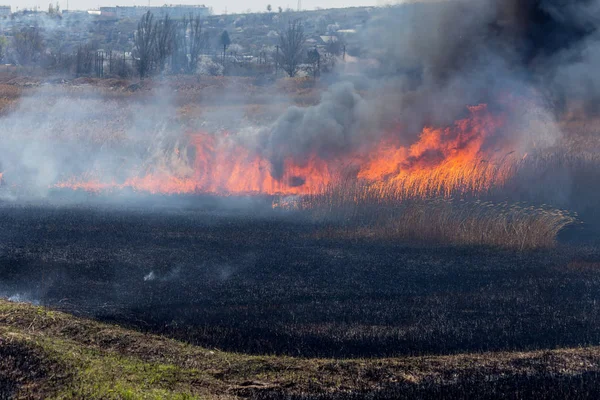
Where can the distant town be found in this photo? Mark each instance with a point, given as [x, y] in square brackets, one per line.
[102, 42]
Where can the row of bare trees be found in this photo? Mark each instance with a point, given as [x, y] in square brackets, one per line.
[28, 45]
[158, 42]
[163, 44]
[25, 47]
[180, 44]
[28, 48]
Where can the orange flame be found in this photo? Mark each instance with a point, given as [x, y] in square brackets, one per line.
[441, 162]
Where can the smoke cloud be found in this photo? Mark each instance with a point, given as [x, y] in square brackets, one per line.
[335, 126]
[57, 133]
[441, 56]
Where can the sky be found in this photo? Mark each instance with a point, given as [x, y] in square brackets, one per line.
[219, 7]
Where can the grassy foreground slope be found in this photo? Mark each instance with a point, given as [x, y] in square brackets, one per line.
[49, 354]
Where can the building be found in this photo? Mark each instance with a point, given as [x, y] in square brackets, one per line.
[108, 12]
[5, 11]
[136, 12]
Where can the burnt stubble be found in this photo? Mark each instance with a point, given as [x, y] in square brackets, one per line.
[261, 282]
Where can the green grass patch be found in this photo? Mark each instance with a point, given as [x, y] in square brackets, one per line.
[46, 354]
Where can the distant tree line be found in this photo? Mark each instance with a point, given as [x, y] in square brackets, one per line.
[164, 45]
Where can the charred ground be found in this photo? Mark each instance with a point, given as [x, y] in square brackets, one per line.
[265, 284]
[251, 287]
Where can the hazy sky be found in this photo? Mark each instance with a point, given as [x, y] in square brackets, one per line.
[219, 7]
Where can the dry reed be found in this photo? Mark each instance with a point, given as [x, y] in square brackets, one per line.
[355, 209]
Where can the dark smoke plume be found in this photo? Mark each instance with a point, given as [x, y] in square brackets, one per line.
[440, 57]
[330, 128]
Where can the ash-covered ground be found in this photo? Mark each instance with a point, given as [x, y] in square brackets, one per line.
[235, 275]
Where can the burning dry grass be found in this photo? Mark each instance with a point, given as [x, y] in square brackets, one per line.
[401, 192]
[446, 204]
[359, 210]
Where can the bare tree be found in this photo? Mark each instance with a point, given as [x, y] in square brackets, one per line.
[165, 40]
[179, 58]
[334, 46]
[333, 49]
[225, 42]
[122, 67]
[84, 59]
[144, 42]
[189, 41]
[198, 41]
[291, 47]
[28, 45]
[3, 46]
[313, 60]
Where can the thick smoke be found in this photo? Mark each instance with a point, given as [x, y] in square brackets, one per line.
[441, 56]
[56, 134]
[333, 127]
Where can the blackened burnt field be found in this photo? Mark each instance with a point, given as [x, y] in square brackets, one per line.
[263, 283]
